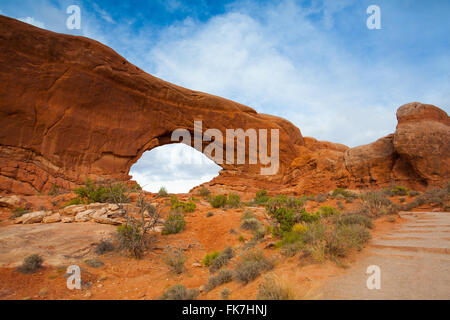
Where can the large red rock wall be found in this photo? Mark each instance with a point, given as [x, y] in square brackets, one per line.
[72, 108]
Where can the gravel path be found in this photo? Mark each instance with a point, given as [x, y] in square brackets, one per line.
[414, 261]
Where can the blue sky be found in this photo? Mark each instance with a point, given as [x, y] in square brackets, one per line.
[312, 62]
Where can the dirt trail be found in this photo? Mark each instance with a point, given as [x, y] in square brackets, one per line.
[414, 260]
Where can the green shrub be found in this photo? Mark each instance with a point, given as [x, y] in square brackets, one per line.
[104, 246]
[218, 201]
[174, 223]
[304, 216]
[342, 192]
[31, 264]
[396, 191]
[224, 276]
[241, 238]
[174, 258]
[204, 192]
[375, 203]
[247, 214]
[112, 193]
[184, 206]
[252, 264]
[222, 259]
[18, 212]
[345, 237]
[261, 197]
[326, 211]
[271, 289]
[179, 292]
[234, 200]
[209, 258]
[54, 191]
[163, 192]
[413, 193]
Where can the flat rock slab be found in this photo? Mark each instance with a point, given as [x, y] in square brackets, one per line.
[58, 243]
[414, 262]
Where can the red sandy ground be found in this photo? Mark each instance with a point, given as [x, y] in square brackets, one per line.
[123, 277]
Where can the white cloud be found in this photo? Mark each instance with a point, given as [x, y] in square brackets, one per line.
[103, 14]
[33, 21]
[178, 167]
[282, 63]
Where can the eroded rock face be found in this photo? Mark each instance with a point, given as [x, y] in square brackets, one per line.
[72, 108]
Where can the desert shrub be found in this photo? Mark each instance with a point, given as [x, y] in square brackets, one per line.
[222, 259]
[225, 294]
[234, 200]
[223, 276]
[175, 259]
[54, 190]
[209, 258]
[273, 289]
[163, 192]
[341, 193]
[247, 214]
[345, 237]
[179, 292]
[252, 224]
[209, 214]
[252, 264]
[259, 233]
[350, 218]
[31, 264]
[103, 246]
[218, 201]
[111, 193]
[204, 192]
[414, 193]
[402, 200]
[184, 206]
[134, 236]
[375, 203]
[18, 212]
[241, 238]
[307, 217]
[174, 223]
[321, 197]
[261, 197]
[300, 228]
[326, 211]
[396, 191]
[436, 196]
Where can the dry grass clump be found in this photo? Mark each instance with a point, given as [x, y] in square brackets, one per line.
[252, 264]
[179, 292]
[223, 276]
[272, 288]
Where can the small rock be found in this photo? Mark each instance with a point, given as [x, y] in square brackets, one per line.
[196, 264]
[94, 263]
[32, 217]
[56, 217]
[67, 219]
[269, 245]
[43, 292]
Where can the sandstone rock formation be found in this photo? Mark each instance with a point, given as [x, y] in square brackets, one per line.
[72, 108]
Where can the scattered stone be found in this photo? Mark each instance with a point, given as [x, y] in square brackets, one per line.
[32, 217]
[56, 217]
[269, 245]
[196, 264]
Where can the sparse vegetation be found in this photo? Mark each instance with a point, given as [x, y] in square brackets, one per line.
[204, 192]
[104, 246]
[261, 197]
[31, 264]
[225, 294]
[94, 263]
[174, 258]
[375, 203]
[162, 193]
[252, 264]
[174, 223]
[218, 201]
[179, 292]
[396, 191]
[223, 276]
[18, 212]
[252, 224]
[133, 236]
[341, 193]
[234, 200]
[222, 259]
[54, 190]
[209, 258]
[347, 219]
[273, 289]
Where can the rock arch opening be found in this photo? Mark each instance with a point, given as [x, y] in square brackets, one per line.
[177, 167]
